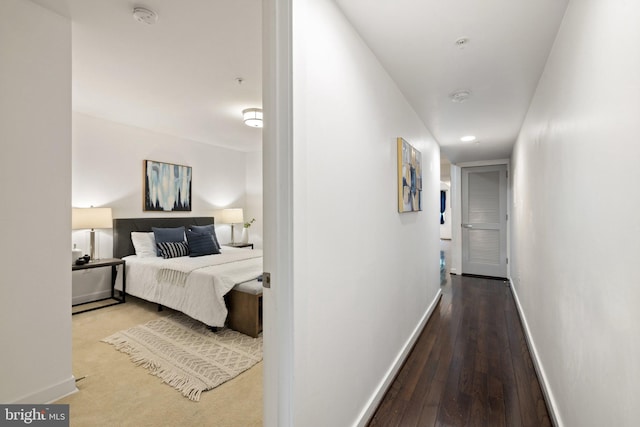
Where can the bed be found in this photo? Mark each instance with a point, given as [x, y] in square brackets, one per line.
[214, 289]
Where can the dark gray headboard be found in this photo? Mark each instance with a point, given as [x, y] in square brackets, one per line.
[122, 228]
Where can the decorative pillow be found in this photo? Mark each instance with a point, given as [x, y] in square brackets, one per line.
[168, 235]
[172, 249]
[208, 229]
[201, 244]
[144, 244]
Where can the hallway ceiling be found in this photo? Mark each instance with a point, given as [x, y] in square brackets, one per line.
[178, 76]
[507, 46]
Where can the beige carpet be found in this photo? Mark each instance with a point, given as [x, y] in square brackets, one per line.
[115, 392]
[186, 355]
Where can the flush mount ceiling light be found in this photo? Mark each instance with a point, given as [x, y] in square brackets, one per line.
[145, 16]
[468, 138]
[252, 117]
[460, 96]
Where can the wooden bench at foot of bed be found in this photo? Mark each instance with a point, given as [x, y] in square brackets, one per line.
[244, 303]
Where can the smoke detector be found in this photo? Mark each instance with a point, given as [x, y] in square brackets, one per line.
[145, 16]
[460, 96]
[462, 42]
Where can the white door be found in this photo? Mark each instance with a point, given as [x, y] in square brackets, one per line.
[484, 220]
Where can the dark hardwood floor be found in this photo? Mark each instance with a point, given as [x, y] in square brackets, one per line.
[470, 366]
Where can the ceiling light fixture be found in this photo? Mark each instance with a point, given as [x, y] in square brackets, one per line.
[460, 96]
[468, 138]
[252, 117]
[145, 16]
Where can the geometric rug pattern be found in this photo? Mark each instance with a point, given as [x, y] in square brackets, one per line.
[185, 354]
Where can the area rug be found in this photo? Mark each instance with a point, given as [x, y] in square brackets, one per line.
[185, 354]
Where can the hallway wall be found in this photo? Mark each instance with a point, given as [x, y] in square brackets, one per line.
[364, 275]
[576, 234]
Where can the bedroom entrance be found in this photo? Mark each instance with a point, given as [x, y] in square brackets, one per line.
[484, 220]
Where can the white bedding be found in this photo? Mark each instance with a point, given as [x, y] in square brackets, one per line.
[194, 286]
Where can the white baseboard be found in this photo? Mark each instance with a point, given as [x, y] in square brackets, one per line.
[542, 377]
[371, 406]
[51, 393]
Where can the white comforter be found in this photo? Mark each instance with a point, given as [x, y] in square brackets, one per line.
[194, 286]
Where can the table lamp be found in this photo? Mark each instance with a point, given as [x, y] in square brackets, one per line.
[91, 218]
[232, 216]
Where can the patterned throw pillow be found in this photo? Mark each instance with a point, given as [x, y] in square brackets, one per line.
[172, 249]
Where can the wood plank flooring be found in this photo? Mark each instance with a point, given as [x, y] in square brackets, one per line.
[470, 366]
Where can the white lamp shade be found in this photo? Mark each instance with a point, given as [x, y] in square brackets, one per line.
[252, 117]
[231, 216]
[83, 218]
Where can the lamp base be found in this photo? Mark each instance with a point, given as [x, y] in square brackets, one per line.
[92, 244]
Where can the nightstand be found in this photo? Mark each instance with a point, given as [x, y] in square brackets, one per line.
[239, 245]
[107, 262]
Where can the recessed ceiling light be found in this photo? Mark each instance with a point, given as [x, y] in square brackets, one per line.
[460, 96]
[468, 138]
[145, 16]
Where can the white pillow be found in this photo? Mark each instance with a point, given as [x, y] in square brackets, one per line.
[144, 244]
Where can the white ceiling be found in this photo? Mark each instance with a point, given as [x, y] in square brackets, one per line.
[178, 76]
[509, 41]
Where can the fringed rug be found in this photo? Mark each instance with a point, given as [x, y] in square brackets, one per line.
[185, 354]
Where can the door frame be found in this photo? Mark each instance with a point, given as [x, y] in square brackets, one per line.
[456, 210]
[277, 163]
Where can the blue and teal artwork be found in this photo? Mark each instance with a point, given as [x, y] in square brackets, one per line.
[409, 177]
[167, 187]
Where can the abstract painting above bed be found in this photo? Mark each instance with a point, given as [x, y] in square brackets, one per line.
[167, 187]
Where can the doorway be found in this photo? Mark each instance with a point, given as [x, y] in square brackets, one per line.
[484, 221]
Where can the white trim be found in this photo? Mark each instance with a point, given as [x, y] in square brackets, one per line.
[552, 406]
[483, 163]
[277, 163]
[51, 393]
[372, 405]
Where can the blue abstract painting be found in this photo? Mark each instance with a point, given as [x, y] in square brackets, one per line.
[409, 177]
[167, 187]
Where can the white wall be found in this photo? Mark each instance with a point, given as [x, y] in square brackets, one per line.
[35, 180]
[576, 234]
[364, 275]
[253, 196]
[108, 171]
